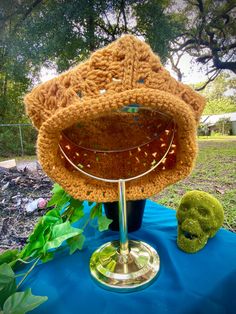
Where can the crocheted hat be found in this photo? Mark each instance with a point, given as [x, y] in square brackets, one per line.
[123, 73]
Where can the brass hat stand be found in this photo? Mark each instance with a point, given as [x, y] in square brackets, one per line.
[138, 140]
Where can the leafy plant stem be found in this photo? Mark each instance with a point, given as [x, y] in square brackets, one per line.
[19, 275]
[25, 262]
[28, 272]
[86, 223]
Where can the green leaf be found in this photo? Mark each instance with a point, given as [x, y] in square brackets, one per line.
[96, 211]
[38, 229]
[41, 234]
[22, 302]
[7, 282]
[8, 256]
[59, 197]
[57, 188]
[36, 243]
[52, 217]
[58, 200]
[76, 213]
[76, 243]
[55, 199]
[47, 257]
[30, 250]
[103, 223]
[61, 233]
[76, 203]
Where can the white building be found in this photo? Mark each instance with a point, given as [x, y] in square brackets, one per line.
[210, 120]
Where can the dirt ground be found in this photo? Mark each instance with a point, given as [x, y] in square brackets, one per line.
[19, 187]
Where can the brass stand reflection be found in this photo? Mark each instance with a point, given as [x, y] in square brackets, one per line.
[124, 265]
[124, 273]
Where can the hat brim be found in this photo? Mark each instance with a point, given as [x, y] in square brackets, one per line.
[81, 186]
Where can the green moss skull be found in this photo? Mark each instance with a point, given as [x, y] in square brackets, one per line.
[199, 216]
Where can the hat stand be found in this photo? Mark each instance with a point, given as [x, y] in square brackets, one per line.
[124, 265]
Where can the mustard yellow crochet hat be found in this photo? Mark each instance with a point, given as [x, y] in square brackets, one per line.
[123, 73]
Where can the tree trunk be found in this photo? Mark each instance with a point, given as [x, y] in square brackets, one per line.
[91, 26]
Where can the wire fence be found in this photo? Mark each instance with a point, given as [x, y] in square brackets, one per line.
[17, 139]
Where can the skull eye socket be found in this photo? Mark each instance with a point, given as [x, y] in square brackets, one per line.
[184, 207]
[203, 211]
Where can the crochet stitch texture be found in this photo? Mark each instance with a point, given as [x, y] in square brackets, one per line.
[126, 71]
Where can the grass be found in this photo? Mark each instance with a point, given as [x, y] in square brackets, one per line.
[215, 173]
[20, 158]
[217, 137]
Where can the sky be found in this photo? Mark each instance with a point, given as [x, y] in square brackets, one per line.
[191, 72]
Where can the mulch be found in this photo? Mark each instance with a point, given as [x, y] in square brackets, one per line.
[17, 189]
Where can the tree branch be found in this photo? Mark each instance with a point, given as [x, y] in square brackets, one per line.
[27, 13]
[174, 65]
[117, 22]
[200, 6]
[210, 79]
[105, 29]
[223, 65]
[206, 37]
[124, 15]
[204, 58]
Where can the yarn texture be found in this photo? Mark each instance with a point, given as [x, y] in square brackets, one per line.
[125, 72]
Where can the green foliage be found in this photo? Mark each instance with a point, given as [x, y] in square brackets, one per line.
[220, 95]
[22, 302]
[223, 126]
[51, 231]
[11, 301]
[103, 221]
[10, 144]
[59, 197]
[158, 26]
[28, 39]
[88, 25]
[55, 226]
[209, 34]
[9, 256]
[7, 283]
[220, 86]
[203, 130]
[60, 233]
[76, 243]
[219, 106]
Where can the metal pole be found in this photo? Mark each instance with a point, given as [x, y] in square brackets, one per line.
[124, 246]
[21, 141]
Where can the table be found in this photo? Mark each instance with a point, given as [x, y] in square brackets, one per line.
[204, 282]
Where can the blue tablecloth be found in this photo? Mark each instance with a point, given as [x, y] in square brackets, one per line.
[204, 282]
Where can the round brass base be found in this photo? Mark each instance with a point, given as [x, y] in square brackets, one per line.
[124, 273]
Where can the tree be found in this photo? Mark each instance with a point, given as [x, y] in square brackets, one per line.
[87, 25]
[158, 25]
[209, 35]
[36, 32]
[15, 62]
[220, 95]
[223, 126]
